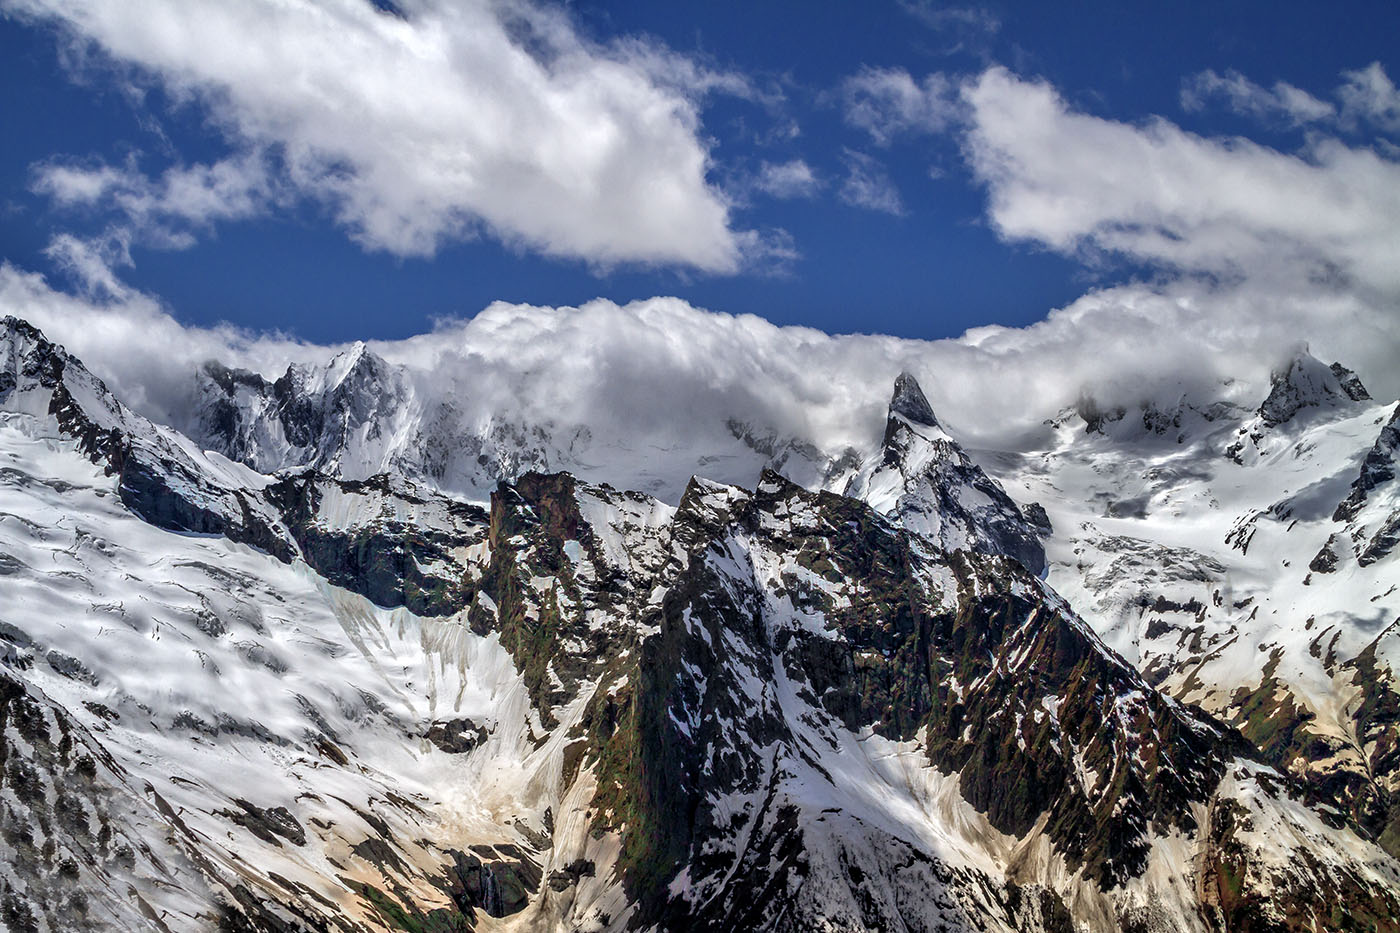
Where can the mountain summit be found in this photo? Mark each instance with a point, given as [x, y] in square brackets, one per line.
[925, 480]
[1307, 382]
[909, 402]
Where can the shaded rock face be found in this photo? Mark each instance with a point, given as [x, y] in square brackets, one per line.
[761, 709]
[953, 665]
[499, 880]
[392, 542]
[1377, 470]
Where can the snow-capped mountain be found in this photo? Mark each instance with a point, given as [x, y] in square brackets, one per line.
[300, 682]
[1242, 560]
[925, 480]
[358, 415]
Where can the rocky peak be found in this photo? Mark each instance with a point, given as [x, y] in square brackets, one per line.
[1095, 416]
[354, 369]
[928, 483]
[1307, 382]
[16, 331]
[26, 356]
[1350, 383]
[910, 403]
[229, 380]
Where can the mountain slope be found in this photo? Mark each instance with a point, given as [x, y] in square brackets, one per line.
[1239, 558]
[589, 709]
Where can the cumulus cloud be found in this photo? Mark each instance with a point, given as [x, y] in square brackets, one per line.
[168, 210]
[431, 123]
[1283, 100]
[868, 185]
[1078, 183]
[888, 103]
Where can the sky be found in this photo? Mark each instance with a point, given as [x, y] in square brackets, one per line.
[1091, 188]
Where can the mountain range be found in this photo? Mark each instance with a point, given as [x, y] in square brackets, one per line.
[332, 654]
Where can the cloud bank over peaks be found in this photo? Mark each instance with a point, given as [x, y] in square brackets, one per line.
[661, 376]
[437, 122]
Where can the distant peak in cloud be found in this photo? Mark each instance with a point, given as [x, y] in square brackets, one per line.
[438, 122]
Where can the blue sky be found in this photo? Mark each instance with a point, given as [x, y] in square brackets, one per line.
[844, 159]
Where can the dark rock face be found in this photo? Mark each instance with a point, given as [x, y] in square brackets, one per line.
[390, 561]
[1376, 806]
[222, 421]
[270, 825]
[1095, 416]
[456, 736]
[1350, 383]
[910, 402]
[564, 878]
[499, 880]
[1376, 470]
[1039, 520]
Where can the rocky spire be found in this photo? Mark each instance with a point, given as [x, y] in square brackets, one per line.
[910, 402]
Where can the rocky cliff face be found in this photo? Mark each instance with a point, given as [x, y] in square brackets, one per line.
[360, 704]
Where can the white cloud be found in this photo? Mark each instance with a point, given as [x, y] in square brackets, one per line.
[433, 125]
[888, 102]
[868, 185]
[1252, 251]
[792, 179]
[1283, 100]
[93, 262]
[1369, 95]
[665, 375]
[1366, 96]
[165, 210]
[1076, 183]
[941, 16]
